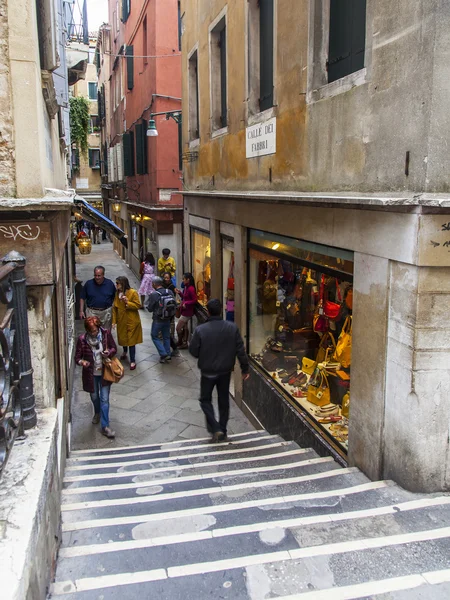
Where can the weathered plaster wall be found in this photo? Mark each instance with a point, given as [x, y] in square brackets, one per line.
[355, 140]
[7, 160]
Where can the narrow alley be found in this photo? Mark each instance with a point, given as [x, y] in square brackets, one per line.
[154, 403]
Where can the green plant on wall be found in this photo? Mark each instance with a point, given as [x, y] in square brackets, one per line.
[79, 123]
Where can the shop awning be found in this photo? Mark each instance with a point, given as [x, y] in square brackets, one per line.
[93, 215]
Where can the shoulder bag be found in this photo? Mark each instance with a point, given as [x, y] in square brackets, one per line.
[319, 389]
[112, 369]
[343, 351]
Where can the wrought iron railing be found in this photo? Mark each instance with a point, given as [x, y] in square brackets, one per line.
[17, 405]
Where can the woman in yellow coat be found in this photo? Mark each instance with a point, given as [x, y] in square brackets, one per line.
[125, 314]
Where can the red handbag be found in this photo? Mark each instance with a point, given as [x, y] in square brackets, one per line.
[332, 309]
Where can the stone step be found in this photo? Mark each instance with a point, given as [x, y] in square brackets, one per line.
[289, 557]
[200, 449]
[308, 464]
[267, 460]
[226, 451]
[257, 492]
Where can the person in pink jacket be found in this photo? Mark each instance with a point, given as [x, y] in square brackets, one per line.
[188, 302]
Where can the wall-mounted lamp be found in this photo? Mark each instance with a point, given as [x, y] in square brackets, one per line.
[275, 246]
[170, 114]
[116, 207]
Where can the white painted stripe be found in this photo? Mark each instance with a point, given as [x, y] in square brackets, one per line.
[186, 442]
[204, 491]
[350, 592]
[104, 548]
[209, 464]
[206, 510]
[117, 465]
[106, 581]
[129, 486]
[74, 461]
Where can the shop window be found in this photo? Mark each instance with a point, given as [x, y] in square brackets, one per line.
[218, 66]
[194, 127]
[347, 38]
[94, 158]
[261, 55]
[201, 264]
[300, 326]
[92, 90]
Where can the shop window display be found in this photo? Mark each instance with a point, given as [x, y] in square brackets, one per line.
[201, 265]
[300, 326]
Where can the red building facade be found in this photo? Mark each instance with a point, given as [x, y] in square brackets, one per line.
[142, 175]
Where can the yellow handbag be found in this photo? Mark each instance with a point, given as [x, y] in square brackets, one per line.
[345, 405]
[319, 394]
[343, 352]
[322, 353]
[308, 365]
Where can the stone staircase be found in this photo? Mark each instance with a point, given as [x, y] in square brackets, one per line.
[252, 519]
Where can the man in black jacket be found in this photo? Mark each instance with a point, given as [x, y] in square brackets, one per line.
[216, 344]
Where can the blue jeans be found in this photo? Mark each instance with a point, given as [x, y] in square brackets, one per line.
[100, 400]
[162, 327]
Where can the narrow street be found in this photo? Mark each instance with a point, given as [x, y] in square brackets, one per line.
[153, 404]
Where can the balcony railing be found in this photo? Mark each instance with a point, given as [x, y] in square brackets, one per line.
[17, 405]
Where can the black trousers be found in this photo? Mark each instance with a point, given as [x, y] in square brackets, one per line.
[207, 385]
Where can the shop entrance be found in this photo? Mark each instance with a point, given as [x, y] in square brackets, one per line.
[300, 327]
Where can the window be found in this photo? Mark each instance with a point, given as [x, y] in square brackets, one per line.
[92, 90]
[91, 55]
[218, 65]
[347, 38]
[194, 127]
[94, 126]
[144, 42]
[179, 26]
[141, 147]
[293, 286]
[94, 158]
[201, 264]
[128, 153]
[75, 159]
[130, 67]
[126, 9]
[260, 55]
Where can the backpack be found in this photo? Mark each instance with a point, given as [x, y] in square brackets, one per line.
[166, 307]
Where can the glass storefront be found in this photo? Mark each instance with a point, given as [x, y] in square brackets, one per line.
[201, 264]
[300, 325]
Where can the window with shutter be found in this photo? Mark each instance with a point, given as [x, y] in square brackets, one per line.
[119, 161]
[193, 97]
[126, 8]
[94, 158]
[128, 153]
[266, 39]
[347, 38]
[130, 67]
[141, 148]
[92, 90]
[218, 68]
[223, 77]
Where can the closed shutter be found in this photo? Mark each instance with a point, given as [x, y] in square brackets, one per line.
[130, 67]
[223, 77]
[125, 9]
[119, 162]
[266, 54]
[99, 105]
[110, 165]
[128, 153]
[347, 37]
[105, 159]
[141, 148]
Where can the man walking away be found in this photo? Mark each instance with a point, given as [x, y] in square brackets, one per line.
[216, 344]
[163, 306]
[97, 297]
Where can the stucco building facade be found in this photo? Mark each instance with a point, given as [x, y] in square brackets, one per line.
[316, 173]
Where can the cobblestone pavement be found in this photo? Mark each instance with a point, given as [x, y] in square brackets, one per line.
[153, 404]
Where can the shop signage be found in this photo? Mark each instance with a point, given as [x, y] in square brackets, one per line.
[261, 139]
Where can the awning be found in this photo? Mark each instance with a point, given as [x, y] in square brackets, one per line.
[93, 215]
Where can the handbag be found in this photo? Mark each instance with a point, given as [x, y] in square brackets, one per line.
[319, 389]
[322, 353]
[308, 365]
[332, 309]
[343, 351]
[112, 369]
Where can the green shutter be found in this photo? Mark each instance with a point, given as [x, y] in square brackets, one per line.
[128, 153]
[141, 147]
[266, 54]
[347, 37]
[130, 67]
[126, 5]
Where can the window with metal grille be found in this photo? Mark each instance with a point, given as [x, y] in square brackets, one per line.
[347, 40]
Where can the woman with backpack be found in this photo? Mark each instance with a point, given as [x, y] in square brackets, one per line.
[188, 302]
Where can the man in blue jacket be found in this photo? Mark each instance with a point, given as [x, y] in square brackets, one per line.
[216, 344]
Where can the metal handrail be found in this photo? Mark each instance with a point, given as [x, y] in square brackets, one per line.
[17, 403]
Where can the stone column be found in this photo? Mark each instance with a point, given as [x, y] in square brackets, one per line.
[216, 260]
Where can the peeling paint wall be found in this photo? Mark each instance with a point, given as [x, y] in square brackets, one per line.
[355, 140]
[7, 162]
